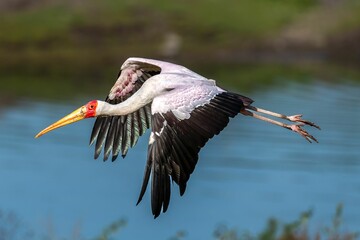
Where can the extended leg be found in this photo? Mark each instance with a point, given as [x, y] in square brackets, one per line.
[293, 118]
[295, 127]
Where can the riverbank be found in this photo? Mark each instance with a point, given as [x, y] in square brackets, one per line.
[72, 42]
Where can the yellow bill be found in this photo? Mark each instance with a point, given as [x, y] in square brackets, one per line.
[75, 116]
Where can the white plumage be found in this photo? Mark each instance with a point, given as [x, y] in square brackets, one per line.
[182, 108]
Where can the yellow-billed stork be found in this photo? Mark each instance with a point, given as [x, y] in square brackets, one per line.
[183, 109]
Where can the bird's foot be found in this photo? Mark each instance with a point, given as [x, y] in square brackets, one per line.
[297, 128]
[297, 118]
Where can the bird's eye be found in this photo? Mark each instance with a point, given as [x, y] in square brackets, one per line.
[91, 107]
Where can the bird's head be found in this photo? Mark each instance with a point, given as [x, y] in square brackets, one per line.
[89, 110]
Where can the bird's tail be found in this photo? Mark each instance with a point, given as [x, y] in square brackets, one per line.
[245, 100]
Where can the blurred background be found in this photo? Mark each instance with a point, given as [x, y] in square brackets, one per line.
[253, 181]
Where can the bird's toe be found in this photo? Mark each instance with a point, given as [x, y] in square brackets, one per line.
[297, 128]
[297, 118]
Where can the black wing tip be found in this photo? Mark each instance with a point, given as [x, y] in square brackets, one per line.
[140, 198]
[158, 211]
[114, 157]
[182, 189]
[156, 215]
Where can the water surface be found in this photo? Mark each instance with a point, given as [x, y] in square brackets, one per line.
[250, 172]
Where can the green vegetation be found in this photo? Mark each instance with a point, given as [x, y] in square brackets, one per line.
[58, 20]
[296, 230]
[112, 229]
[12, 228]
[57, 46]
[88, 34]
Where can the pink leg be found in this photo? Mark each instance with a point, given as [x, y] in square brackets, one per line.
[294, 127]
[293, 118]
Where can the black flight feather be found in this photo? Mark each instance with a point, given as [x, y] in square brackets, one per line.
[118, 133]
[175, 143]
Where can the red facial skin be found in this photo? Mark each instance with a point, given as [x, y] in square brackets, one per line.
[91, 109]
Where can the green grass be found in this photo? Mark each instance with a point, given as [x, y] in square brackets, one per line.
[294, 230]
[12, 227]
[97, 33]
[131, 19]
[349, 18]
[36, 26]
[59, 46]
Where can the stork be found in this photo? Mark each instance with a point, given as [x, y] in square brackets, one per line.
[182, 108]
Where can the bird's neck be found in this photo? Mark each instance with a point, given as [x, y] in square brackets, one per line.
[123, 108]
[145, 95]
[132, 104]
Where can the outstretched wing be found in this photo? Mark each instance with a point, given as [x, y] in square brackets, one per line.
[178, 135]
[117, 134]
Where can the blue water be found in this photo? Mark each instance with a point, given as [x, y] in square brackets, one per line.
[250, 172]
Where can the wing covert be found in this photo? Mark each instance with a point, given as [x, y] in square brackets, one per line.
[116, 134]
